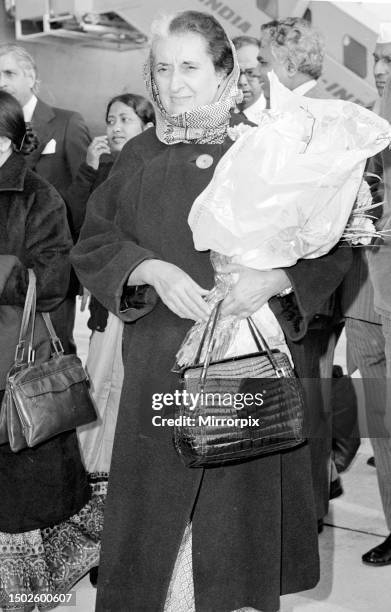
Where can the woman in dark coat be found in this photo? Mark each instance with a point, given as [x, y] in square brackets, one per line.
[41, 551]
[253, 525]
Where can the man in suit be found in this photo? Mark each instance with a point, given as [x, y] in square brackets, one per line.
[295, 51]
[370, 344]
[63, 141]
[254, 101]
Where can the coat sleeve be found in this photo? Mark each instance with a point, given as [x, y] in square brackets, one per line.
[314, 283]
[107, 250]
[84, 183]
[77, 139]
[46, 250]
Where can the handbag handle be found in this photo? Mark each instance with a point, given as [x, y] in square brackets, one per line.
[29, 313]
[259, 340]
[262, 345]
[212, 323]
[55, 340]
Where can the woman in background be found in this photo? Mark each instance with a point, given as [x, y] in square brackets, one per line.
[49, 526]
[127, 115]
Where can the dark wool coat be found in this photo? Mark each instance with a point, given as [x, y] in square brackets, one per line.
[86, 181]
[254, 527]
[47, 484]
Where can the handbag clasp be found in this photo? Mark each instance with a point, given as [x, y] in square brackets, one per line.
[281, 373]
[30, 354]
[58, 347]
[19, 352]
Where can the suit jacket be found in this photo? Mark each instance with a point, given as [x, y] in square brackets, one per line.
[380, 255]
[71, 138]
[356, 291]
[355, 295]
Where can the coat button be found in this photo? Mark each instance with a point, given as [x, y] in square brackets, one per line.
[204, 161]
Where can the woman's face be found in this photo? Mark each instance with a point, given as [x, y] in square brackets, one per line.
[122, 125]
[184, 72]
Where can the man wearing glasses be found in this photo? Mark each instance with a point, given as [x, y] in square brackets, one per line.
[254, 102]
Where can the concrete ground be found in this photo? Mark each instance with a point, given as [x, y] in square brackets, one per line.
[354, 525]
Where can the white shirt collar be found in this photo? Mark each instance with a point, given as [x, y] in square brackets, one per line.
[254, 112]
[304, 87]
[29, 108]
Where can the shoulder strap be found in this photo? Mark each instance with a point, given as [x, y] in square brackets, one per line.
[56, 342]
[28, 314]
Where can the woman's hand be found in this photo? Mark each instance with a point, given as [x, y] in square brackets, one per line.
[98, 146]
[179, 292]
[252, 289]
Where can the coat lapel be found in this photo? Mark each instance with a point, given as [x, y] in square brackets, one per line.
[42, 126]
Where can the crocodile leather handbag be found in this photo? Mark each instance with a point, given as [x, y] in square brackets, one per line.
[45, 399]
[245, 407]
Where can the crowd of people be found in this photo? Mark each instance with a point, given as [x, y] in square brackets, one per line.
[108, 218]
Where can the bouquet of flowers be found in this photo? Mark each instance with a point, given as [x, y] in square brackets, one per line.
[285, 189]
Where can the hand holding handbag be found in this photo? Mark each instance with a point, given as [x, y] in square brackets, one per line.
[225, 428]
[46, 399]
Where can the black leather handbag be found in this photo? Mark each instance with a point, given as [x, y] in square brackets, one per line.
[245, 407]
[46, 399]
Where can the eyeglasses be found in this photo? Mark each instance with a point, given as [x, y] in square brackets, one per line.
[251, 74]
[386, 59]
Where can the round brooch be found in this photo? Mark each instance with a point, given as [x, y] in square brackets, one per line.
[204, 161]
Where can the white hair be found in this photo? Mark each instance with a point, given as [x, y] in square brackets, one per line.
[23, 59]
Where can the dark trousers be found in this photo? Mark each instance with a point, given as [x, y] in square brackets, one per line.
[63, 319]
[313, 359]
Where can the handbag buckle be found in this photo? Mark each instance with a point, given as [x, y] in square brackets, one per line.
[19, 352]
[30, 354]
[57, 345]
[280, 373]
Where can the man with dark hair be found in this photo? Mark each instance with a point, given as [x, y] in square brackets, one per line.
[254, 102]
[63, 140]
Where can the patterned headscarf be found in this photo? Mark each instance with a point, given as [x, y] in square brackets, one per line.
[205, 124]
